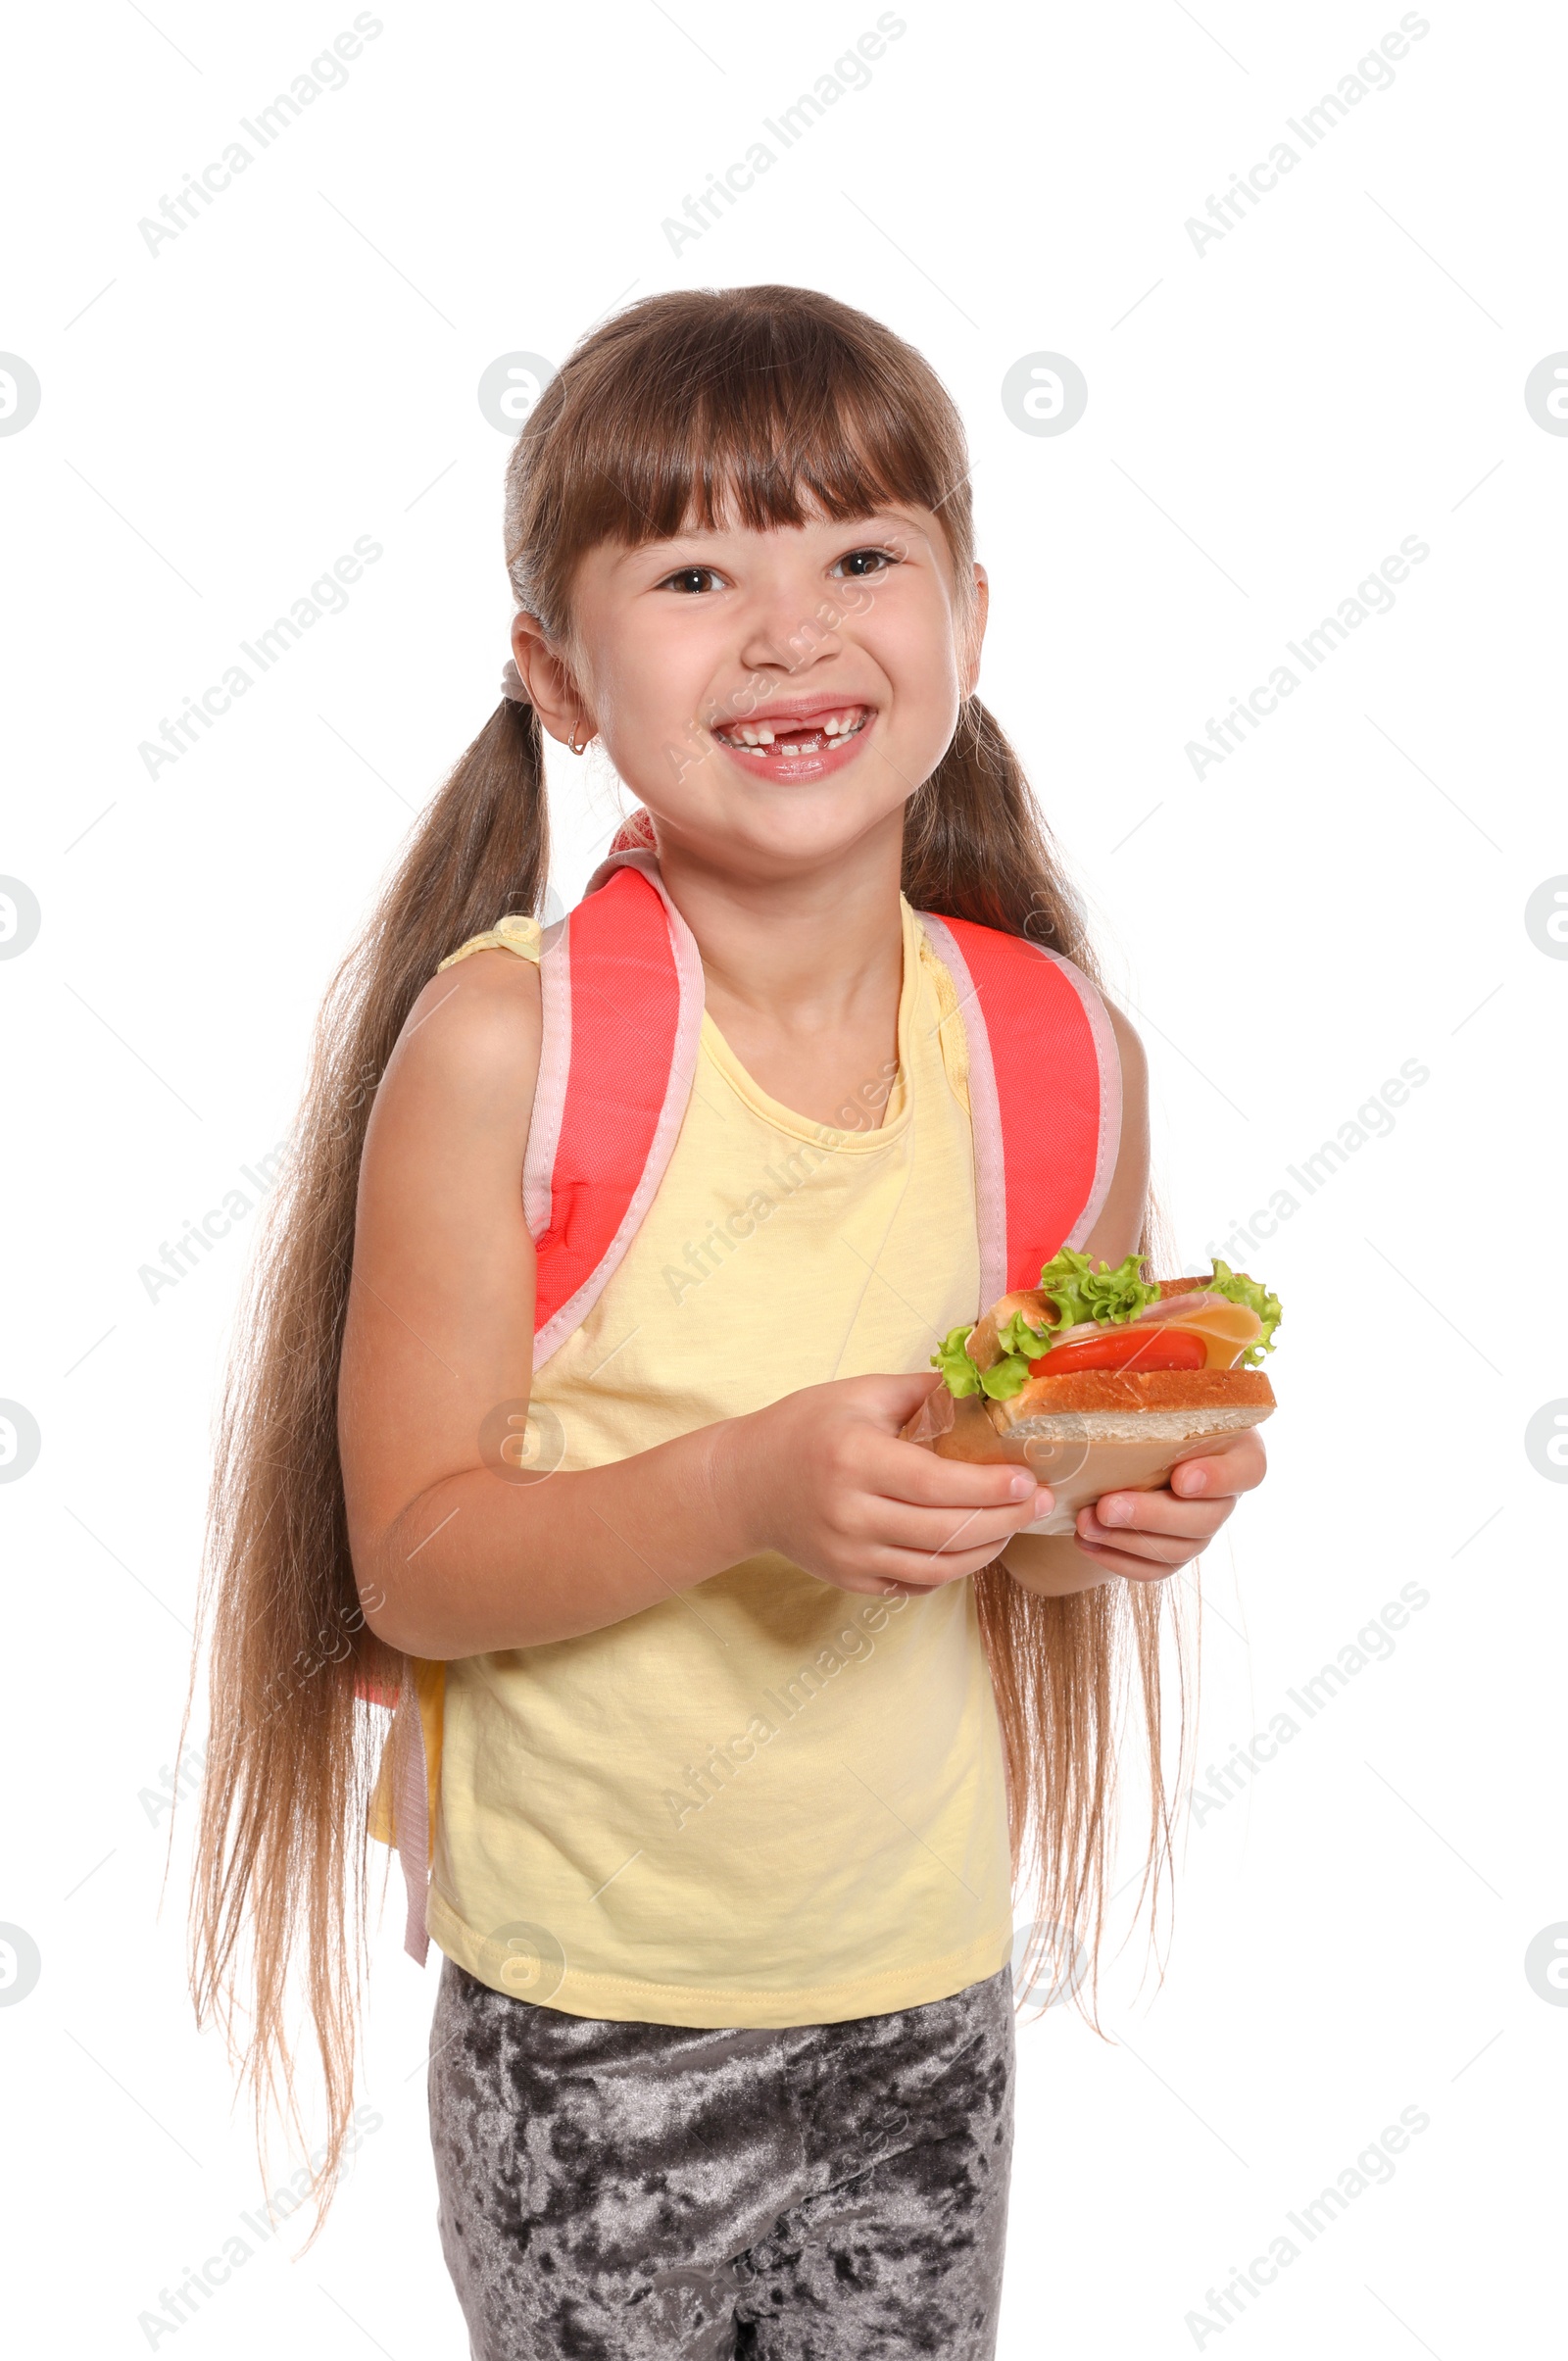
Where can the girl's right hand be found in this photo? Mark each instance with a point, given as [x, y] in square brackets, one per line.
[822, 1477]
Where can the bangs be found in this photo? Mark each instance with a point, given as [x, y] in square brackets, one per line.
[757, 407]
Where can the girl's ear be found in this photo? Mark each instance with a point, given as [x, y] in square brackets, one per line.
[551, 688]
[974, 628]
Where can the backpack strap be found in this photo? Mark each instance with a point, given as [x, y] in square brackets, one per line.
[1045, 1091]
[407, 1785]
[622, 986]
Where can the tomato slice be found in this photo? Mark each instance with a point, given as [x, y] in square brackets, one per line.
[1151, 1345]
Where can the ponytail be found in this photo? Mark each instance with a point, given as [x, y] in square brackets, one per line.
[281, 1853]
[976, 847]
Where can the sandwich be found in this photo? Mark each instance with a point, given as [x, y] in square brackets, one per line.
[1102, 1381]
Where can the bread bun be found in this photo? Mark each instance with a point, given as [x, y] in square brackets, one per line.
[1095, 1430]
[1134, 1390]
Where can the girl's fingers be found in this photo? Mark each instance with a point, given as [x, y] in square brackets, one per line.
[905, 1471]
[916, 1573]
[1150, 1551]
[1238, 1464]
[1121, 1514]
[934, 1537]
[1121, 1561]
[1149, 1529]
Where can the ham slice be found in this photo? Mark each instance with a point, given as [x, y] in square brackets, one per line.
[1226, 1328]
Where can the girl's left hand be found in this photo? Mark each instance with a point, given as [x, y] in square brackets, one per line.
[1148, 1535]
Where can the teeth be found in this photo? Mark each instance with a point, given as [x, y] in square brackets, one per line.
[757, 737]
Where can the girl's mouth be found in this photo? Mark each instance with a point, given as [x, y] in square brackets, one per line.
[795, 746]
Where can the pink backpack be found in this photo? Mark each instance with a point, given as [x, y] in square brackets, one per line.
[623, 993]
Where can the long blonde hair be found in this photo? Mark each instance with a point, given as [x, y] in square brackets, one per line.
[767, 405]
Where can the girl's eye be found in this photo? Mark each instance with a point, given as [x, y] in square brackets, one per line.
[690, 579]
[861, 564]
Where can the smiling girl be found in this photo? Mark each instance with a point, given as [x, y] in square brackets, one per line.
[733, 1717]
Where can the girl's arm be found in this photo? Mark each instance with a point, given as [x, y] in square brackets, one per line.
[453, 1559]
[1143, 1534]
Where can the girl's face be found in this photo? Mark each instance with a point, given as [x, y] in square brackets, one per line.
[769, 697]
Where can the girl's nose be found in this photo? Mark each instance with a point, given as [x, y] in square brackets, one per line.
[790, 634]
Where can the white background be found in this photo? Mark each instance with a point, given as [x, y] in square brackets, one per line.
[1266, 420]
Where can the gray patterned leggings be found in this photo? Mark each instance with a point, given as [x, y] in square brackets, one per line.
[642, 2193]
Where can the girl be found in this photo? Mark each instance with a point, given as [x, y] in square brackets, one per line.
[743, 1714]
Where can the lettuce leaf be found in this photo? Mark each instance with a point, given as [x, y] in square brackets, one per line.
[1081, 1293]
[1020, 1345]
[957, 1369]
[1241, 1288]
[1016, 1336]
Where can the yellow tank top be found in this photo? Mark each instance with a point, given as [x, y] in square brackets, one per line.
[765, 1801]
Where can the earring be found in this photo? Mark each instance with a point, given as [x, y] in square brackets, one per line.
[572, 741]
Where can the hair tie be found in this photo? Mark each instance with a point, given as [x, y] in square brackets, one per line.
[512, 688]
